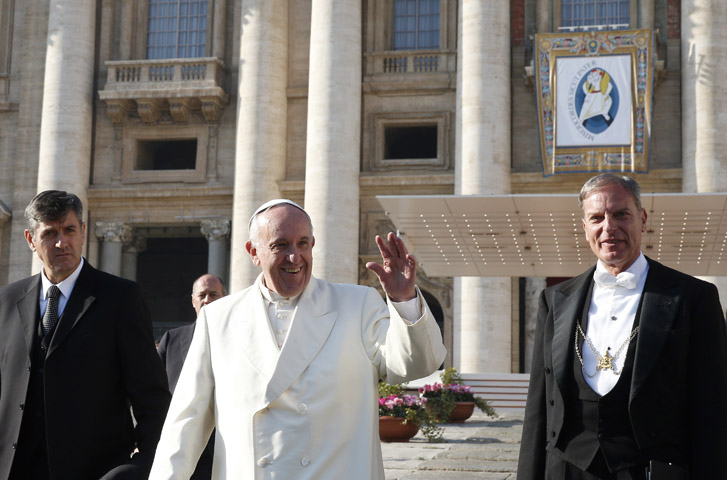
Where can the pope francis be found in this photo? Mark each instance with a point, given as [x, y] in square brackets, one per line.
[287, 369]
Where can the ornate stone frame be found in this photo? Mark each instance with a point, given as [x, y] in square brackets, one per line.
[379, 122]
[131, 138]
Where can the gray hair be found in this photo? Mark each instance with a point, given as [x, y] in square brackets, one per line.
[605, 179]
[52, 206]
[254, 224]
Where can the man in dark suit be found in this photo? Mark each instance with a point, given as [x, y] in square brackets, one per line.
[173, 349]
[76, 351]
[629, 363]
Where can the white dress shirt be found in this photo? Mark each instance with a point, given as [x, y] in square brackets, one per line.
[610, 323]
[65, 286]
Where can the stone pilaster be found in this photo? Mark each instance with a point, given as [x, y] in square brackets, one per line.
[260, 150]
[482, 306]
[217, 232]
[333, 146]
[113, 235]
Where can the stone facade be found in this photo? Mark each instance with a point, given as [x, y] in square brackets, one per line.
[297, 99]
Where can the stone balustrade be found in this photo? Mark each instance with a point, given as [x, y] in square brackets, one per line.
[150, 87]
[411, 61]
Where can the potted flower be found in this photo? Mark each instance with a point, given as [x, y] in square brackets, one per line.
[401, 415]
[452, 401]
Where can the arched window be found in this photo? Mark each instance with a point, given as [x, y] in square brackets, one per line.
[176, 29]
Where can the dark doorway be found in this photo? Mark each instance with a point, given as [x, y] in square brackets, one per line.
[165, 273]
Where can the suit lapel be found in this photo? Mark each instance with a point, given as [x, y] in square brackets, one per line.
[28, 307]
[658, 311]
[309, 330]
[567, 309]
[256, 338]
[82, 296]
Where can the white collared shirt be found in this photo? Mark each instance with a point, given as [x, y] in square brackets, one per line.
[610, 323]
[65, 286]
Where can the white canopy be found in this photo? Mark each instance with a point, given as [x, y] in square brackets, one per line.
[542, 235]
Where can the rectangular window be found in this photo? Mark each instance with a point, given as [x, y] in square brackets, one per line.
[595, 14]
[166, 155]
[176, 29]
[410, 142]
[416, 24]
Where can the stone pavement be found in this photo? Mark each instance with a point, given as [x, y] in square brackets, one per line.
[482, 447]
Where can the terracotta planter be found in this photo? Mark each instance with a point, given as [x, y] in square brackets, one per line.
[392, 429]
[462, 411]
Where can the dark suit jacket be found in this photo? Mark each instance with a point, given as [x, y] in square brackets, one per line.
[101, 360]
[678, 393]
[173, 348]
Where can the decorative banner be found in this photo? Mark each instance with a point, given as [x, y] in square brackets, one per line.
[594, 96]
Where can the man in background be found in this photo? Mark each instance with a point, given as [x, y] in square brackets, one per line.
[76, 350]
[173, 349]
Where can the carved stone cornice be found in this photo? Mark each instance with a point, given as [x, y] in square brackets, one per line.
[180, 109]
[114, 232]
[117, 111]
[211, 109]
[215, 228]
[149, 110]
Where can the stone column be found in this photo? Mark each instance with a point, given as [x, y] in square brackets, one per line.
[334, 129]
[216, 231]
[65, 130]
[129, 256]
[482, 306]
[66, 123]
[704, 101]
[260, 149]
[113, 235]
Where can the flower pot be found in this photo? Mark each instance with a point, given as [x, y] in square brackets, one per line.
[392, 429]
[462, 411]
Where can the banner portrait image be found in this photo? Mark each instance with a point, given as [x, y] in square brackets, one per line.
[594, 94]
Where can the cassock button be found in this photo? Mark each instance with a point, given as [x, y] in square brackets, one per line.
[22, 406]
[547, 370]
[305, 461]
[552, 402]
[302, 407]
[262, 462]
[15, 446]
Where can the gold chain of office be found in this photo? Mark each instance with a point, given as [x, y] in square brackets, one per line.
[604, 362]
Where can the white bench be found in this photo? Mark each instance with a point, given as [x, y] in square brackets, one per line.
[505, 392]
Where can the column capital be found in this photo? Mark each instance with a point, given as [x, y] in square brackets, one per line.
[135, 244]
[215, 228]
[114, 232]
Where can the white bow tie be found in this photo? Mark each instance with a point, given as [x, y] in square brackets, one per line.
[624, 279]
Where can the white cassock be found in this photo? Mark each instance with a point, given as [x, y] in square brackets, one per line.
[306, 411]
